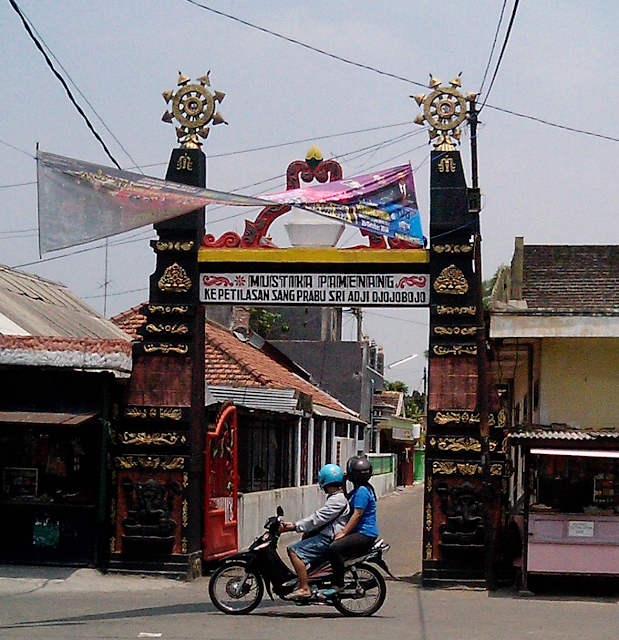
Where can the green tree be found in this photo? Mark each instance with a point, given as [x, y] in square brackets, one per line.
[267, 324]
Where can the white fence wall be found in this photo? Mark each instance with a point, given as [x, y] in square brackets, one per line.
[297, 502]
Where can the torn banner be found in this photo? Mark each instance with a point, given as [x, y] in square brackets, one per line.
[80, 201]
[382, 202]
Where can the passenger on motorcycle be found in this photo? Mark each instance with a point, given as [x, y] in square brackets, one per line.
[320, 528]
[361, 530]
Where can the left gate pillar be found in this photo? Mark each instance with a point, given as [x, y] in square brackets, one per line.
[159, 441]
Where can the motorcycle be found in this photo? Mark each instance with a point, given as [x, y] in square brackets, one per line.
[237, 585]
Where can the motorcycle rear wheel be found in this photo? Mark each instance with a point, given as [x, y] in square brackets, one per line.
[234, 589]
[364, 594]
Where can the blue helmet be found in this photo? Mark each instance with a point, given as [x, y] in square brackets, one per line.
[330, 474]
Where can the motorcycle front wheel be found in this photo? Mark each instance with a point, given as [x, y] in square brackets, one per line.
[364, 592]
[234, 589]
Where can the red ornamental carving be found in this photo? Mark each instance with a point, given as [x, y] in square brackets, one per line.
[217, 281]
[411, 281]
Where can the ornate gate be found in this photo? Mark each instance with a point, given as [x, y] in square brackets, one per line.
[221, 487]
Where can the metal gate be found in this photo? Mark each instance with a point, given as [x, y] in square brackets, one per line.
[221, 487]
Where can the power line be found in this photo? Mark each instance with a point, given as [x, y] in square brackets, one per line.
[118, 142]
[10, 146]
[312, 139]
[62, 81]
[552, 124]
[498, 64]
[307, 46]
[496, 35]
[17, 184]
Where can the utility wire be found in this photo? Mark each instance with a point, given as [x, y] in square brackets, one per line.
[17, 184]
[307, 46]
[51, 53]
[62, 81]
[552, 124]
[496, 35]
[10, 146]
[498, 64]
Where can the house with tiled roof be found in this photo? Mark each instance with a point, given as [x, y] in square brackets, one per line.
[554, 336]
[59, 365]
[287, 427]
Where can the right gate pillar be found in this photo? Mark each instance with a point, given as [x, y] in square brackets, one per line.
[465, 492]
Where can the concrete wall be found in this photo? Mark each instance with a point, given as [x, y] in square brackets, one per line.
[297, 502]
[579, 381]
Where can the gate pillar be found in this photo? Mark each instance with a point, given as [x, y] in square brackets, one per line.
[462, 500]
[158, 462]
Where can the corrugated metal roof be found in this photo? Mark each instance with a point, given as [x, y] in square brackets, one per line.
[562, 434]
[326, 412]
[44, 417]
[41, 307]
[278, 400]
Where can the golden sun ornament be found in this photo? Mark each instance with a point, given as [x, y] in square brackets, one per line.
[193, 107]
[444, 110]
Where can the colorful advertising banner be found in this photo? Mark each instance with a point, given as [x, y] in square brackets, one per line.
[383, 202]
[322, 289]
[80, 201]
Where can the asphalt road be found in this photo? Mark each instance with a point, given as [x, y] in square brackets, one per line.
[65, 604]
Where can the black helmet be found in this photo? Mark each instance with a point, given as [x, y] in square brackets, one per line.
[358, 470]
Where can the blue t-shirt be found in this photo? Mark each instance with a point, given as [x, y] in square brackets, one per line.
[363, 498]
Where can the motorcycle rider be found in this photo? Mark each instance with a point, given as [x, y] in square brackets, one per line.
[320, 528]
[361, 531]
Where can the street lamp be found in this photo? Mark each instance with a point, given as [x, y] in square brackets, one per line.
[402, 361]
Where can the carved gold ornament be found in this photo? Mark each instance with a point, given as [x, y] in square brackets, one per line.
[177, 329]
[152, 438]
[429, 484]
[429, 551]
[184, 545]
[467, 417]
[185, 513]
[467, 469]
[193, 107]
[175, 280]
[442, 310]
[185, 480]
[451, 281]
[429, 517]
[444, 110]
[166, 413]
[168, 309]
[183, 349]
[455, 331]
[460, 444]
[112, 544]
[454, 350]
[174, 246]
[452, 248]
[165, 463]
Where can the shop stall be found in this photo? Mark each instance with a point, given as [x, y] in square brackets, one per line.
[51, 476]
[568, 506]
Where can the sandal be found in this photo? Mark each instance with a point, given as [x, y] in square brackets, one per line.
[298, 595]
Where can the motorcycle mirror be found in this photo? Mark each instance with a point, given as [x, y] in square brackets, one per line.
[280, 511]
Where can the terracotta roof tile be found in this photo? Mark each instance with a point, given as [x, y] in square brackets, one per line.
[570, 277]
[232, 362]
[55, 343]
[130, 321]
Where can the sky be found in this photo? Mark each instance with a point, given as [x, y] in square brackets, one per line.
[546, 183]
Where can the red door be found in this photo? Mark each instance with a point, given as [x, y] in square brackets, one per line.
[221, 490]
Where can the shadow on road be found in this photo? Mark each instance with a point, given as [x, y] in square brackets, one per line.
[148, 612]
